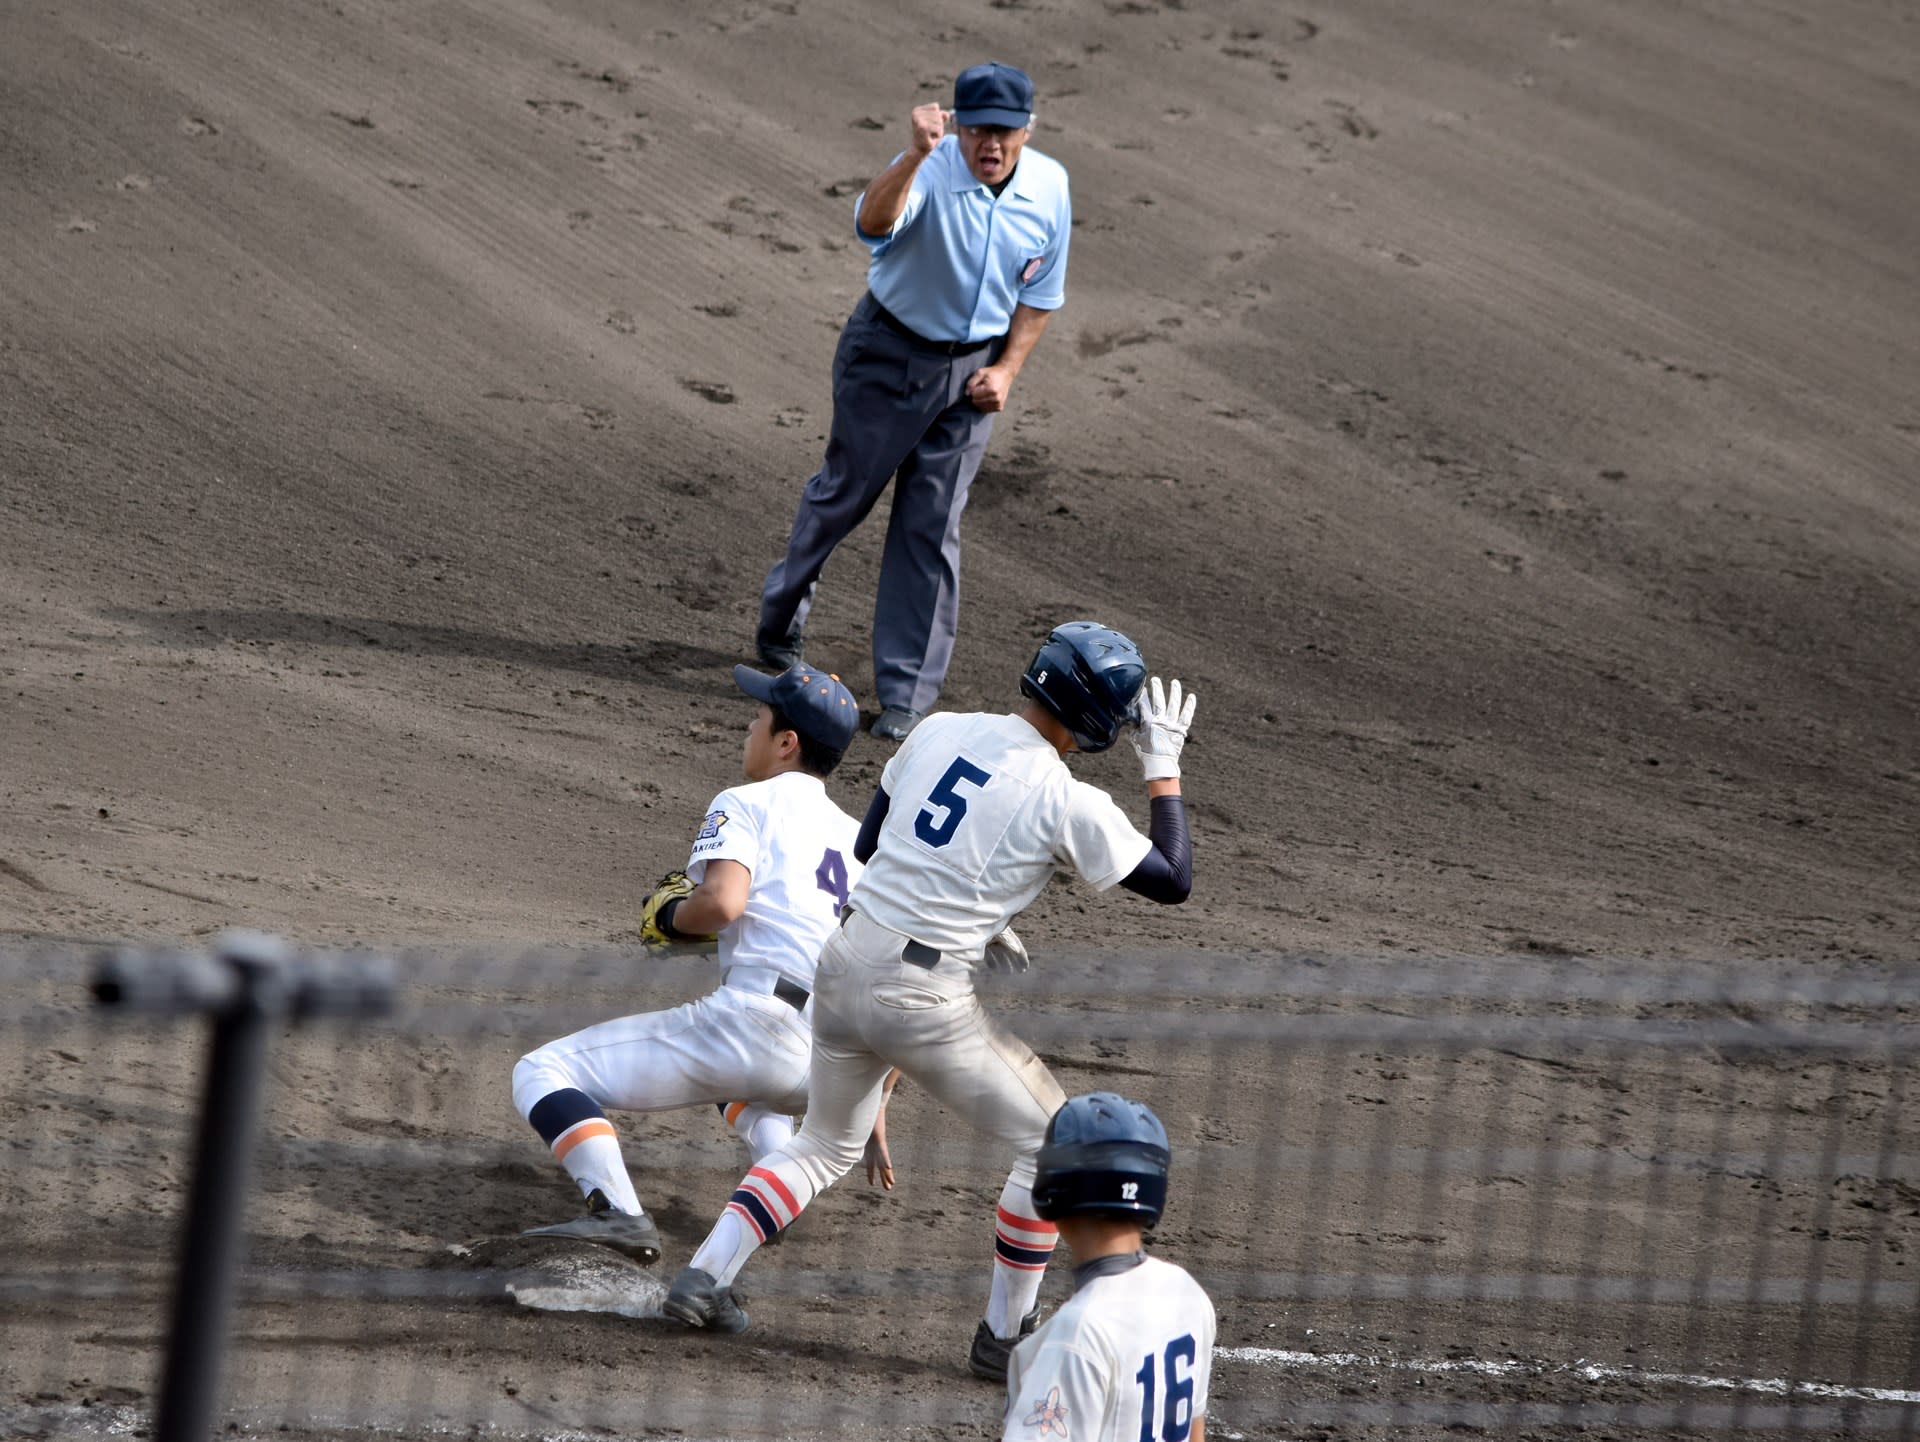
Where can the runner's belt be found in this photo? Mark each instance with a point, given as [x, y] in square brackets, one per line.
[916, 952]
[920, 954]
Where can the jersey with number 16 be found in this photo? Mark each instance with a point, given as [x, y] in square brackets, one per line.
[1127, 1358]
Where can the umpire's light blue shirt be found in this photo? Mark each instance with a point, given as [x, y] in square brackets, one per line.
[960, 258]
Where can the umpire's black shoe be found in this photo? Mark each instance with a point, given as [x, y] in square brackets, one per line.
[696, 1299]
[781, 655]
[630, 1234]
[896, 723]
[990, 1353]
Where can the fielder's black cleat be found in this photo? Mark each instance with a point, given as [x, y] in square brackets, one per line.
[696, 1299]
[990, 1353]
[629, 1234]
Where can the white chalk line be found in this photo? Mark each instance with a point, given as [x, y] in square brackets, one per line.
[1586, 1371]
[641, 1297]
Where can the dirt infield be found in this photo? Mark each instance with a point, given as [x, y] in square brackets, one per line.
[1505, 417]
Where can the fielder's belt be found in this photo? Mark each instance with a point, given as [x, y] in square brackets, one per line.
[754, 978]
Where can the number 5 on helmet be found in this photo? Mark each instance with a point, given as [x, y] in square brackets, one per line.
[656, 914]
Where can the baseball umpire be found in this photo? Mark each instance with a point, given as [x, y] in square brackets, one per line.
[972, 818]
[969, 235]
[769, 872]
[1130, 1354]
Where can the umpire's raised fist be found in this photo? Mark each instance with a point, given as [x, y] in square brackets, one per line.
[929, 125]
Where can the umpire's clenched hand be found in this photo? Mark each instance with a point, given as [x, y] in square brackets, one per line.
[987, 388]
[929, 127]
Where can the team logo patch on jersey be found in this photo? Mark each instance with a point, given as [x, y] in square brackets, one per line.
[710, 828]
[1050, 1416]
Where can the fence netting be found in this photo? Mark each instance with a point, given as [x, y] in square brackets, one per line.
[1512, 1197]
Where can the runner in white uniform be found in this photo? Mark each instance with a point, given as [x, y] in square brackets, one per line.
[973, 816]
[773, 863]
[1130, 1354]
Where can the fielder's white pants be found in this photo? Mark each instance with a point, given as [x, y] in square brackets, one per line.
[732, 1045]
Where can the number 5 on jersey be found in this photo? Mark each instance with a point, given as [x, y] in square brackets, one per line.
[937, 831]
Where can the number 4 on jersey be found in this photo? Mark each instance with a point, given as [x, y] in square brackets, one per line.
[831, 875]
[1176, 1415]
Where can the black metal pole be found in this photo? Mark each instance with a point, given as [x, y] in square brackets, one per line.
[222, 1167]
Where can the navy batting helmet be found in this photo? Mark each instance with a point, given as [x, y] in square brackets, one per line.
[1089, 676]
[1103, 1155]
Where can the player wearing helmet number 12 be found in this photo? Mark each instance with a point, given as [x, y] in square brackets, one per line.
[973, 816]
[1130, 1354]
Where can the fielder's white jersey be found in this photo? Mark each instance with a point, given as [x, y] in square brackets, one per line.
[799, 847]
[981, 813]
[1127, 1358]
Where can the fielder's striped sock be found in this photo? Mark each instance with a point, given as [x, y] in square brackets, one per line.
[582, 1140]
[761, 1128]
[1022, 1247]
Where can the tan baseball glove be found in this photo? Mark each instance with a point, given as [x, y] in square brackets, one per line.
[671, 889]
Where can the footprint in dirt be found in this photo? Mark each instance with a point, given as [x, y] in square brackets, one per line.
[1098, 343]
[1352, 122]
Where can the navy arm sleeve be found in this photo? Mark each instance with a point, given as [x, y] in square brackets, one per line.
[868, 841]
[1166, 874]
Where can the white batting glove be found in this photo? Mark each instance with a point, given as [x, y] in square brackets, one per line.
[1163, 730]
[1006, 952]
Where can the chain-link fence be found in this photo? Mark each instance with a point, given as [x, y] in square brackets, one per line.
[1517, 1197]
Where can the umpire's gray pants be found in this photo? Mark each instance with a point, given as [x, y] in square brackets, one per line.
[899, 410]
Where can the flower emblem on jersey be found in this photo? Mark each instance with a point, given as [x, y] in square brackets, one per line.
[1049, 1416]
[710, 828]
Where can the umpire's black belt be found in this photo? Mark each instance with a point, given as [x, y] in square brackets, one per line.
[940, 347]
[916, 952]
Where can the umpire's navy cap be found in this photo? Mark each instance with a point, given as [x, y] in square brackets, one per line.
[815, 703]
[993, 94]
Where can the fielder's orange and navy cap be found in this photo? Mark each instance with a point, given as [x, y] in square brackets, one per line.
[815, 703]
